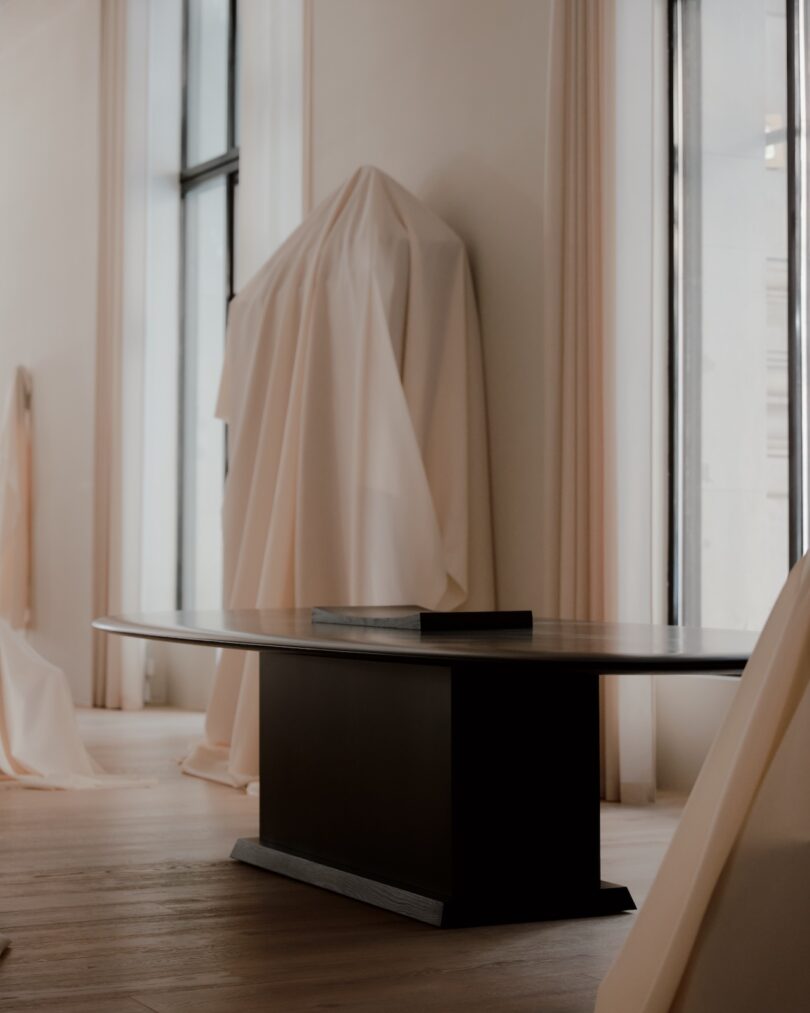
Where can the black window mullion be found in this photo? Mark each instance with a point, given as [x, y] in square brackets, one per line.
[685, 313]
[222, 165]
[181, 399]
[230, 258]
[798, 504]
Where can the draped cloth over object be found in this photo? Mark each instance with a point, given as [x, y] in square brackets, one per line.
[40, 745]
[358, 467]
[726, 925]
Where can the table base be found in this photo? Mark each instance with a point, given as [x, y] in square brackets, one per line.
[608, 899]
[457, 794]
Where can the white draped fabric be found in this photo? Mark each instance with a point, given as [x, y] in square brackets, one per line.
[40, 745]
[15, 503]
[358, 467]
[725, 926]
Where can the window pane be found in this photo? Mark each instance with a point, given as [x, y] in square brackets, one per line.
[203, 435]
[207, 80]
[735, 312]
[237, 81]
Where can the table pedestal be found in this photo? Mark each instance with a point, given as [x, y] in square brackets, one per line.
[458, 793]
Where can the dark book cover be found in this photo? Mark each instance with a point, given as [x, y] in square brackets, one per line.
[410, 617]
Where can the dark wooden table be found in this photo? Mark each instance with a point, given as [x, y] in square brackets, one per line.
[450, 777]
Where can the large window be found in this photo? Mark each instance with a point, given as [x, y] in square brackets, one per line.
[738, 380]
[208, 182]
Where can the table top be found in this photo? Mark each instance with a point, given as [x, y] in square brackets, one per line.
[585, 646]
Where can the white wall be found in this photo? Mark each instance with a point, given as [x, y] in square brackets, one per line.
[49, 111]
[449, 97]
[690, 710]
[272, 126]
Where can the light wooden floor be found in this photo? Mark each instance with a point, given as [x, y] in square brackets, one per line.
[121, 901]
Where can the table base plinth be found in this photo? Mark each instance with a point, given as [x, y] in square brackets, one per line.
[609, 898]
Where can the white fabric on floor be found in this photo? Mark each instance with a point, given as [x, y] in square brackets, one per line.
[40, 745]
[358, 466]
[15, 503]
[726, 925]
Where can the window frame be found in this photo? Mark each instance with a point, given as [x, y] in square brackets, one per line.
[192, 176]
[798, 279]
[683, 555]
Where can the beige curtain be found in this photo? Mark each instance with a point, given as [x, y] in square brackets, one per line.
[16, 505]
[580, 507]
[725, 925]
[118, 662]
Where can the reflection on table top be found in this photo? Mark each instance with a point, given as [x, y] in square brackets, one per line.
[584, 646]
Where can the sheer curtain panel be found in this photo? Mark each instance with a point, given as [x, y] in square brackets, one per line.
[581, 385]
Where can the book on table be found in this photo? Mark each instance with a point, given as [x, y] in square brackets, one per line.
[411, 617]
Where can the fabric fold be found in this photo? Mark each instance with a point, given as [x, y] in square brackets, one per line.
[40, 744]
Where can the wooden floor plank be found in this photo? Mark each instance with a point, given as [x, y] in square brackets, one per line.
[125, 901]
